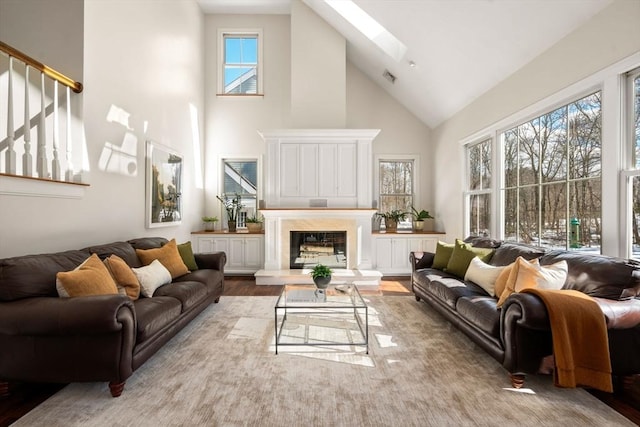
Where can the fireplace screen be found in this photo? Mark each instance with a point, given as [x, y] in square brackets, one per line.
[309, 248]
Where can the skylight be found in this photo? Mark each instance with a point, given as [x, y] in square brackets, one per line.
[369, 27]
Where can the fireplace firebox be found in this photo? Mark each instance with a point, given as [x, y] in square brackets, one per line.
[309, 248]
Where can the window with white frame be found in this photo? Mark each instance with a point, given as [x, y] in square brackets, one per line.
[396, 187]
[478, 193]
[552, 193]
[240, 178]
[240, 62]
[632, 110]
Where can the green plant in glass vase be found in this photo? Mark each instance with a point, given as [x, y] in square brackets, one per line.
[232, 206]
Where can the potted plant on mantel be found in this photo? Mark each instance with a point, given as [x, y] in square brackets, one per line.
[254, 224]
[321, 275]
[419, 218]
[232, 206]
[392, 218]
[209, 222]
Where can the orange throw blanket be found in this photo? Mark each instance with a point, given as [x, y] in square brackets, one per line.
[580, 341]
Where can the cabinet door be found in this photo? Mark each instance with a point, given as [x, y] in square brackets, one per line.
[204, 245]
[235, 256]
[289, 170]
[400, 253]
[253, 247]
[328, 171]
[308, 170]
[383, 247]
[347, 170]
[220, 245]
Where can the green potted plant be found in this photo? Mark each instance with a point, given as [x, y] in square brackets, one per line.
[419, 218]
[209, 222]
[254, 224]
[392, 218]
[232, 206]
[321, 275]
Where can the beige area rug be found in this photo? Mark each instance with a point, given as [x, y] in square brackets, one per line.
[420, 371]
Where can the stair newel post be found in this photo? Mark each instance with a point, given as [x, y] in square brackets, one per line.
[10, 157]
[41, 162]
[27, 160]
[69, 145]
[55, 162]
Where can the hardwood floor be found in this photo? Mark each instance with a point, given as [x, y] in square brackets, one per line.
[25, 397]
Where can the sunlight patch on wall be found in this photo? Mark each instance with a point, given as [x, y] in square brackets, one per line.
[120, 159]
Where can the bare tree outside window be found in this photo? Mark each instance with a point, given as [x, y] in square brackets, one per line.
[396, 187]
[552, 187]
[634, 131]
[479, 160]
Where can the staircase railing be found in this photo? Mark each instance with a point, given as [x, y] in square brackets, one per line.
[15, 65]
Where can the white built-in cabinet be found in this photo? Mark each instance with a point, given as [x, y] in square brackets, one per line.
[245, 252]
[322, 170]
[391, 251]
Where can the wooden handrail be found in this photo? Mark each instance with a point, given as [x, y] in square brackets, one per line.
[56, 75]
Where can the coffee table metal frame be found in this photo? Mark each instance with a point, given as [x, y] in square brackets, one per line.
[325, 303]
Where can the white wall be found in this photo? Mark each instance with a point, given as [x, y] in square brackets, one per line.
[145, 57]
[609, 37]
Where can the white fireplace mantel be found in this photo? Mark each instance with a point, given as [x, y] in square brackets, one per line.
[278, 223]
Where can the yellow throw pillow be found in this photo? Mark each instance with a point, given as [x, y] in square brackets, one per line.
[90, 278]
[508, 286]
[123, 276]
[168, 256]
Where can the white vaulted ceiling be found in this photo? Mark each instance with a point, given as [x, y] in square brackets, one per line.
[461, 48]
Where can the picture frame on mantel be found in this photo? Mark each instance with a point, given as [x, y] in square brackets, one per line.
[163, 186]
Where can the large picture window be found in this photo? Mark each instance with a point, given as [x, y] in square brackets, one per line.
[478, 194]
[396, 187]
[241, 178]
[552, 193]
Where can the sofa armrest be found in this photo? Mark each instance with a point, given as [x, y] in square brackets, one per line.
[66, 316]
[420, 260]
[213, 261]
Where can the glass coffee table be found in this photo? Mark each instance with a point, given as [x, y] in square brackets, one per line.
[336, 316]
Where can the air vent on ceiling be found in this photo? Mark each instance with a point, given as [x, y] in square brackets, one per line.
[387, 75]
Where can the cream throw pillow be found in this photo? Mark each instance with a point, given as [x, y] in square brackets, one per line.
[530, 274]
[483, 274]
[168, 255]
[151, 277]
[89, 278]
[124, 277]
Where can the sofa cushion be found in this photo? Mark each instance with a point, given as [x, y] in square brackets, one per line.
[188, 293]
[483, 274]
[35, 275]
[89, 278]
[462, 255]
[596, 275]
[480, 311]
[446, 287]
[442, 255]
[168, 255]
[151, 277]
[153, 314]
[124, 277]
[483, 242]
[212, 279]
[148, 242]
[508, 252]
[122, 249]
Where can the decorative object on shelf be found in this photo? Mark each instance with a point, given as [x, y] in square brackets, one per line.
[419, 218]
[163, 186]
[321, 275]
[392, 218]
[232, 206]
[254, 224]
[209, 222]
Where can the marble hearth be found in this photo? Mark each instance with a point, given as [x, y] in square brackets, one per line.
[279, 222]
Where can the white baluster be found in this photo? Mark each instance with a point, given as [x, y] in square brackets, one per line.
[10, 156]
[55, 163]
[27, 160]
[69, 173]
[41, 163]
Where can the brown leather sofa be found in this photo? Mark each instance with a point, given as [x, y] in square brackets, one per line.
[44, 338]
[518, 335]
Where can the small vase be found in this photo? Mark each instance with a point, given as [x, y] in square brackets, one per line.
[418, 225]
[254, 227]
[322, 282]
[209, 226]
[232, 226]
[390, 226]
